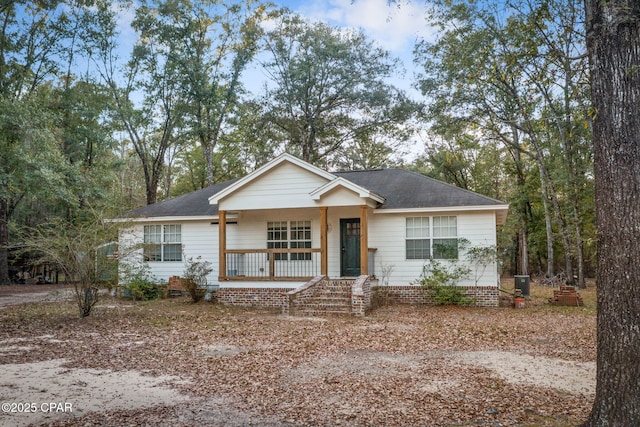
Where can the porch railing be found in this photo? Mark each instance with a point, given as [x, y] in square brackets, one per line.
[279, 264]
[272, 264]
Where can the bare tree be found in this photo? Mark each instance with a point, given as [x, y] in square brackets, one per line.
[74, 249]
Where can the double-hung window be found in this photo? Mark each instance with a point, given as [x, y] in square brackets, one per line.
[300, 236]
[289, 234]
[445, 237]
[277, 238]
[432, 237]
[418, 237]
[163, 242]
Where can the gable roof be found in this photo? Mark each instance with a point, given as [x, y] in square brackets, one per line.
[282, 158]
[345, 183]
[396, 189]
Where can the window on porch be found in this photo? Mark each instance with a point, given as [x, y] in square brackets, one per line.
[292, 234]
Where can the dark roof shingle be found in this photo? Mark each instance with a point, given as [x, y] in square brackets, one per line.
[404, 189]
[195, 203]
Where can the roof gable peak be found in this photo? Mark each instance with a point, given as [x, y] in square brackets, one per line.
[267, 167]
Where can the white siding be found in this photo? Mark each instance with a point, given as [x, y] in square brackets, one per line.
[387, 234]
[199, 238]
[287, 185]
[341, 197]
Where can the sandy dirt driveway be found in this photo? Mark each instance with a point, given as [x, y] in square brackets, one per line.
[22, 294]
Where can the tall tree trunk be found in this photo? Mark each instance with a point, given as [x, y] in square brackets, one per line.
[613, 45]
[4, 243]
[548, 228]
[523, 249]
[522, 266]
[579, 247]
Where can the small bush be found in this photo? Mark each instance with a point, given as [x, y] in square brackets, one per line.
[195, 277]
[448, 295]
[381, 296]
[439, 280]
[139, 282]
[144, 290]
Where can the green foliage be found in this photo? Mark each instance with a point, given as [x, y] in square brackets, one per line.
[330, 94]
[439, 278]
[194, 277]
[139, 282]
[439, 281]
[145, 290]
[509, 114]
[442, 273]
[449, 295]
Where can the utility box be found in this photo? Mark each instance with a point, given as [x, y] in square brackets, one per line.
[522, 283]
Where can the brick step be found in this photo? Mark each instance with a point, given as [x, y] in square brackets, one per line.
[322, 312]
[566, 296]
[330, 297]
[333, 291]
[323, 306]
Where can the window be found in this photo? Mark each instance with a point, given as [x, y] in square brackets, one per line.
[432, 237]
[293, 234]
[163, 242]
[418, 241]
[300, 235]
[445, 237]
[277, 238]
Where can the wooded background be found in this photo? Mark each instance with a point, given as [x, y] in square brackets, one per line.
[86, 129]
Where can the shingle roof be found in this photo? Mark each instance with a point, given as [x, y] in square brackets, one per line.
[401, 189]
[195, 203]
[405, 189]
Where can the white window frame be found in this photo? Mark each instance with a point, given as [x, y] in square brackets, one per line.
[162, 243]
[290, 234]
[423, 234]
[277, 238]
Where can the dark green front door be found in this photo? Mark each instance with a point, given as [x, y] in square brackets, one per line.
[350, 247]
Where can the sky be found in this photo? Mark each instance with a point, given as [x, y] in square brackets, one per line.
[395, 28]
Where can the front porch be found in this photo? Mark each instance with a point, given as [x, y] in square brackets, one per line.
[298, 260]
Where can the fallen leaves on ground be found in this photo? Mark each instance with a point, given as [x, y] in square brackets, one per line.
[397, 366]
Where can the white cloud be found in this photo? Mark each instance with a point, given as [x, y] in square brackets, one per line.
[395, 27]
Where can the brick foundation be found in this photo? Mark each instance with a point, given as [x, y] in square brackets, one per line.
[253, 297]
[358, 292]
[483, 296]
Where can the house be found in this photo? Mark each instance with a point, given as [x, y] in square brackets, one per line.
[269, 233]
